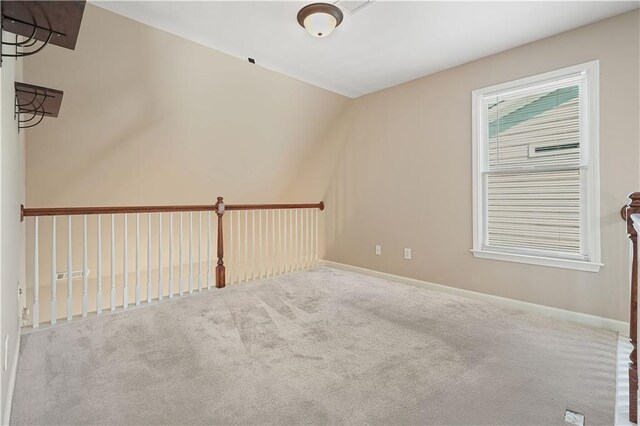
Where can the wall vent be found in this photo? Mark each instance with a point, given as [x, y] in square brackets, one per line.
[74, 274]
[352, 6]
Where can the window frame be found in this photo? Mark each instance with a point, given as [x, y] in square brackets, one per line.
[589, 165]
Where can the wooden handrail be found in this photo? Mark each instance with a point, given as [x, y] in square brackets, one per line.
[66, 211]
[70, 211]
[319, 206]
[632, 217]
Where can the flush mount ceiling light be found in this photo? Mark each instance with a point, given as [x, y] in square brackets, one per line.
[320, 19]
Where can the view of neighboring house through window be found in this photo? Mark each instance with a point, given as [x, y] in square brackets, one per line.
[536, 170]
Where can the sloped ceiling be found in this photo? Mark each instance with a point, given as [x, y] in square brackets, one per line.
[382, 45]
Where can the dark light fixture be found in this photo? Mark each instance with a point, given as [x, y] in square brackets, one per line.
[320, 19]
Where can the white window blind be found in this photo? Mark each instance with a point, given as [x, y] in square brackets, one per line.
[533, 172]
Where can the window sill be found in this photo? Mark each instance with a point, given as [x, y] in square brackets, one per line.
[538, 260]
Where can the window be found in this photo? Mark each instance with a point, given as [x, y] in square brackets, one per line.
[535, 189]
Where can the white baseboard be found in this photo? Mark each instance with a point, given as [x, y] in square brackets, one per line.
[620, 327]
[12, 384]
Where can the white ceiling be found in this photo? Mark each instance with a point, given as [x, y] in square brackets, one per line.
[384, 44]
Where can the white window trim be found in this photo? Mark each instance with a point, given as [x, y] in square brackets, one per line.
[590, 132]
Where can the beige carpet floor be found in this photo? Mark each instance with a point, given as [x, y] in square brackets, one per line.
[318, 347]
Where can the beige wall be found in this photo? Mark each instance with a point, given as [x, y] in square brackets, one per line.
[395, 170]
[151, 118]
[11, 229]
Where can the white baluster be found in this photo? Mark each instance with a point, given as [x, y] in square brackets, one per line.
[291, 239]
[35, 317]
[246, 245]
[190, 249]
[283, 246]
[298, 242]
[308, 243]
[315, 213]
[240, 259]
[209, 249]
[99, 268]
[54, 274]
[160, 285]
[171, 255]
[199, 251]
[149, 291]
[137, 259]
[294, 235]
[232, 255]
[125, 265]
[287, 239]
[305, 236]
[180, 280]
[285, 252]
[311, 238]
[267, 264]
[69, 272]
[113, 263]
[85, 269]
[260, 243]
[303, 241]
[299, 226]
[273, 243]
[280, 241]
[253, 245]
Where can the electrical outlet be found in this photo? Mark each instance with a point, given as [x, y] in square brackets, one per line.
[574, 418]
[407, 253]
[74, 274]
[378, 250]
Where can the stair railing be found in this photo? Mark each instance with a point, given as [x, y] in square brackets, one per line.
[170, 262]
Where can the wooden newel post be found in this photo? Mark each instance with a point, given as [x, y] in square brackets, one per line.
[220, 265]
[633, 208]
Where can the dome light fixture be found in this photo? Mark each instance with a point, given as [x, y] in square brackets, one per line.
[320, 19]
